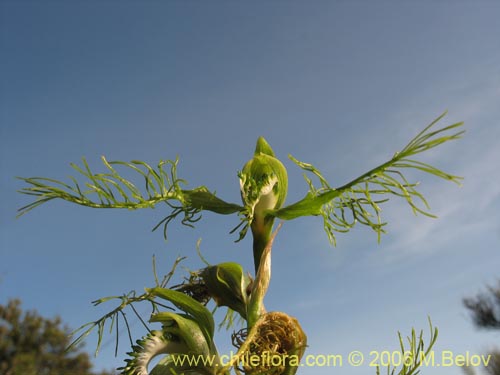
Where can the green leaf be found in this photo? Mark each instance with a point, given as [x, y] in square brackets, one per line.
[414, 356]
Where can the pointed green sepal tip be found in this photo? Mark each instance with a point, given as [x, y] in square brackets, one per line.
[263, 147]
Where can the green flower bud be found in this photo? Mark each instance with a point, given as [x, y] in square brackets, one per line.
[263, 181]
[228, 285]
[264, 186]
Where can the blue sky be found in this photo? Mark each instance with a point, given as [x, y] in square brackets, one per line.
[342, 85]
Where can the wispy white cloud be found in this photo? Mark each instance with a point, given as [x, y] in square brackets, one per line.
[470, 209]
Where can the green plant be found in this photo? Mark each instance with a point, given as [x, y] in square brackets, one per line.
[187, 330]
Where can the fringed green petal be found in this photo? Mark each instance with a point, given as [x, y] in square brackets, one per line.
[359, 200]
[147, 348]
[182, 340]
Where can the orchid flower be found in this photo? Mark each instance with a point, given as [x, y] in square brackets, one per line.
[189, 334]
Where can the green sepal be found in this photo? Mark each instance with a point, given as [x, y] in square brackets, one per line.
[228, 285]
[191, 307]
[262, 147]
[310, 205]
[202, 199]
[186, 330]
